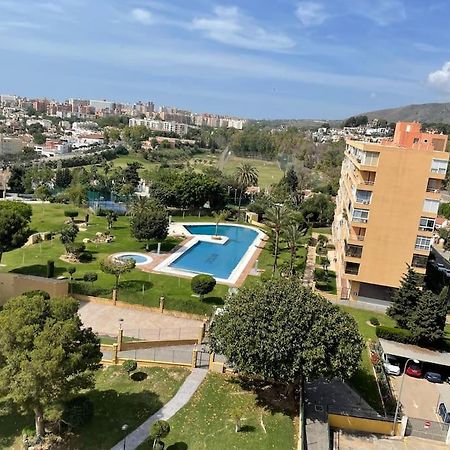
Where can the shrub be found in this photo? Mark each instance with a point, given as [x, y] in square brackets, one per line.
[43, 294]
[374, 321]
[78, 412]
[50, 268]
[76, 248]
[71, 214]
[129, 366]
[85, 257]
[395, 334]
[159, 430]
[265, 276]
[90, 277]
[71, 271]
[320, 275]
[203, 284]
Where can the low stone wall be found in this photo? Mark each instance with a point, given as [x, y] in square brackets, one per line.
[14, 284]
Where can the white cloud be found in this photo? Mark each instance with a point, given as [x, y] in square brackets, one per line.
[311, 13]
[142, 16]
[440, 79]
[382, 12]
[230, 26]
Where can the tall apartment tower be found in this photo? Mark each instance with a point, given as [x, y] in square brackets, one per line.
[386, 209]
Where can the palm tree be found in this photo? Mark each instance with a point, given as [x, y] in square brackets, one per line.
[219, 217]
[246, 175]
[292, 234]
[276, 218]
[139, 205]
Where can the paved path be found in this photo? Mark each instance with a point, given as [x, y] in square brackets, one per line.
[104, 320]
[184, 394]
[308, 275]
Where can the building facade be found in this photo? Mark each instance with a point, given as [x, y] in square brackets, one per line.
[386, 208]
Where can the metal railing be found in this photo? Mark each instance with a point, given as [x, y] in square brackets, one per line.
[351, 271]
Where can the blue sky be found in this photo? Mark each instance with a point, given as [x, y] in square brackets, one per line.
[259, 59]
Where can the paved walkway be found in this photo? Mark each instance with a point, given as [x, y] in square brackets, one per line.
[104, 320]
[184, 394]
[308, 275]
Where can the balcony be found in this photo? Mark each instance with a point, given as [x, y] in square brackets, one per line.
[353, 251]
[352, 268]
[419, 261]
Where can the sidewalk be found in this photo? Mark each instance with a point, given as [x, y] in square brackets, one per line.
[184, 394]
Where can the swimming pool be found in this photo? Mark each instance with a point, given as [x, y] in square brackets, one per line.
[220, 259]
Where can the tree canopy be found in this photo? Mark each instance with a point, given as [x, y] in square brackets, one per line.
[281, 331]
[45, 353]
[149, 219]
[14, 221]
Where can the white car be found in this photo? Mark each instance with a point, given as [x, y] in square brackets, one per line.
[391, 365]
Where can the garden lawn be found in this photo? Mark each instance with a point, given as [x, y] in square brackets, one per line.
[208, 420]
[135, 287]
[363, 381]
[269, 172]
[329, 285]
[117, 400]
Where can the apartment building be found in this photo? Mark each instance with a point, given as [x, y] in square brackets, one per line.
[160, 125]
[386, 209]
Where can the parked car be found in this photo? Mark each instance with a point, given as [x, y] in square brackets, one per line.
[391, 365]
[440, 266]
[433, 377]
[414, 370]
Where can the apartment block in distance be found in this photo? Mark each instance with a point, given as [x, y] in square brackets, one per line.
[386, 209]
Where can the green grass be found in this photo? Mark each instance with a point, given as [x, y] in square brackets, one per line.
[363, 381]
[117, 400]
[329, 285]
[32, 260]
[50, 217]
[323, 230]
[207, 421]
[269, 171]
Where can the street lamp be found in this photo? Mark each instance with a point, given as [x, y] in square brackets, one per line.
[120, 323]
[400, 391]
[124, 429]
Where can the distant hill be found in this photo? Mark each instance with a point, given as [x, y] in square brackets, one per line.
[426, 113]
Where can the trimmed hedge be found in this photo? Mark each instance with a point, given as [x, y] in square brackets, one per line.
[395, 334]
[406, 337]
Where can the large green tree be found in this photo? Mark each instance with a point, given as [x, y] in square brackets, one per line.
[282, 331]
[405, 299]
[46, 355]
[149, 220]
[427, 321]
[14, 220]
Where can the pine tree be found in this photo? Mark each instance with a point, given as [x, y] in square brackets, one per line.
[405, 299]
[428, 321]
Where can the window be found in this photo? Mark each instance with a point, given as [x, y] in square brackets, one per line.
[439, 166]
[370, 158]
[426, 224]
[360, 215]
[363, 196]
[423, 243]
[431, 206]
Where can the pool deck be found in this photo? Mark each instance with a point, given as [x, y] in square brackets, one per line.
[178, 229]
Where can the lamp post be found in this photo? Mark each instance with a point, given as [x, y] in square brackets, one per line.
[400, 392]
[124, 429]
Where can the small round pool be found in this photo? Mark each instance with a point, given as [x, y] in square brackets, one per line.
[139, 258]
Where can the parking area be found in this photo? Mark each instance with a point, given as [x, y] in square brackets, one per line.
[419, 397]
[425, 382]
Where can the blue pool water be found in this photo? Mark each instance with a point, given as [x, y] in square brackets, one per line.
[218, 260]
[138, 258]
